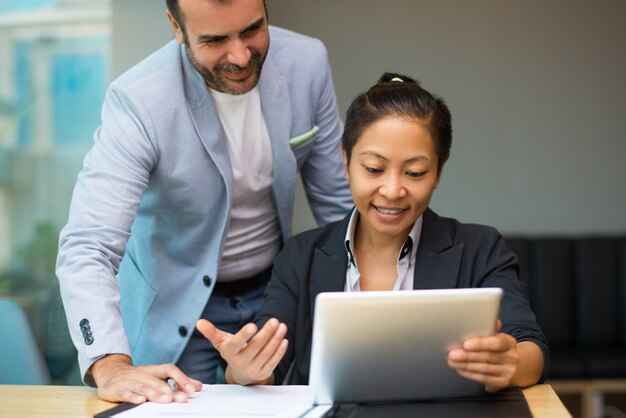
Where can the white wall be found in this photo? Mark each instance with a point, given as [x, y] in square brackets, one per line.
[536, 90]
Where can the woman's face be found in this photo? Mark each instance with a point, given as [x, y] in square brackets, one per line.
[392, 175]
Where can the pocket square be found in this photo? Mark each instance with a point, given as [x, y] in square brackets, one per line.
[303, 139]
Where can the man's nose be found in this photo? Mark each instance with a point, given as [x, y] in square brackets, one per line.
[239, 53]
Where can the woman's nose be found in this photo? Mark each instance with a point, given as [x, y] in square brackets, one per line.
[392, 188]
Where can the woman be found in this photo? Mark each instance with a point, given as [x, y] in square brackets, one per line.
[396, 141]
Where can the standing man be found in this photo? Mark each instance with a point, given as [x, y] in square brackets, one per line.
[187, 195]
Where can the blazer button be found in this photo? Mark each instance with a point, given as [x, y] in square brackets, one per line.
[182, 331]
[207, 281]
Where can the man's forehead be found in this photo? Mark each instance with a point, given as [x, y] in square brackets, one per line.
[221, 17]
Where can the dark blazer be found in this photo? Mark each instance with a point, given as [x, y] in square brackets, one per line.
[449, 255]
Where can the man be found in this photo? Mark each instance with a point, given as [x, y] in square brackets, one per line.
[187, 195]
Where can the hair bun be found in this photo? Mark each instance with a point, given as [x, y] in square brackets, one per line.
[395, 78]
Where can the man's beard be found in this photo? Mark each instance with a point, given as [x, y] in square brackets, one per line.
[216, 81]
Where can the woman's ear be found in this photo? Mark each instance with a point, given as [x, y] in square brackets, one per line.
[345, 161]
[440, 170]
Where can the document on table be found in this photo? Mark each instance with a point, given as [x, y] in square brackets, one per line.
[233, 401]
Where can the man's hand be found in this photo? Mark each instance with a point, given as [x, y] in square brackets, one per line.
[119, 381]
[251, 356]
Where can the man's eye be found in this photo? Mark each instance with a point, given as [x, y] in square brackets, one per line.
[250, 33]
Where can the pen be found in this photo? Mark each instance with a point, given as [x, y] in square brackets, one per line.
[172, 384]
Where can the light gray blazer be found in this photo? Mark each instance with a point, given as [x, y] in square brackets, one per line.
[151, 203]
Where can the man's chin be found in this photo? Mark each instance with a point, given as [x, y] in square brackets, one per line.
[235, 87]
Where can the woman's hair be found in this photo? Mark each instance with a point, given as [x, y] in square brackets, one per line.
[399, 96]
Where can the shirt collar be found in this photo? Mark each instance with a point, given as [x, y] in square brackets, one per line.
[407, 247]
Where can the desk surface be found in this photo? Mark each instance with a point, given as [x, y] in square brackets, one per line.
[83, 402]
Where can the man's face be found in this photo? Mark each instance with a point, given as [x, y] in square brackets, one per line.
[226, 43]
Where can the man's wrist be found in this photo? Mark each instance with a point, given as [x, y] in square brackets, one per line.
[106, 362]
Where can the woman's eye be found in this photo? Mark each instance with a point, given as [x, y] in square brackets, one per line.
[373, 170]
[415, 174]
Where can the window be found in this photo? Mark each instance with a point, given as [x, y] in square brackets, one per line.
[54, 69]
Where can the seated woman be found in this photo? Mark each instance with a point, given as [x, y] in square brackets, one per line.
[396, 141]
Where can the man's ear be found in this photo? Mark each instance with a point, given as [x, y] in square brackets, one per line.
[175, 27]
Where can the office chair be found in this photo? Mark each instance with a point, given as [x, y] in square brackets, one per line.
[21, 362]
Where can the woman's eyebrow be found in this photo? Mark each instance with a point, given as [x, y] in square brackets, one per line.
[408, 160]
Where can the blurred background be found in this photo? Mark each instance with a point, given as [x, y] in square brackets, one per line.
[536, 89]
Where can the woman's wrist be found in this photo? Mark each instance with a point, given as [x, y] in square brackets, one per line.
[230, 379]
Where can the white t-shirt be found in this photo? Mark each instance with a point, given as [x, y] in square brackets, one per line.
[253, 237]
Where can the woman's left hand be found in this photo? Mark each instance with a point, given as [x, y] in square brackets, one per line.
[490, 360]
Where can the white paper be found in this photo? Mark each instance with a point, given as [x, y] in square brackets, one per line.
[233, 401]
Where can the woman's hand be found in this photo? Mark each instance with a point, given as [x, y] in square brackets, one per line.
[251, 356]
[490, 360]
[497, 361]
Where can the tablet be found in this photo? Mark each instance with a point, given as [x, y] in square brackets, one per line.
[390, 346]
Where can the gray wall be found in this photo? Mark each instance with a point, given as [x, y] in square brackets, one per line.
[139, 27]
[536, 88]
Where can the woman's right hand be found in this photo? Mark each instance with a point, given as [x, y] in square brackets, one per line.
[251, 355]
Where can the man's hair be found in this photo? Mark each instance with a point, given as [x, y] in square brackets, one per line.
[399, 96]
[174, 7]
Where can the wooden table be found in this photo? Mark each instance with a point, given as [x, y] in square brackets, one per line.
[83, 402]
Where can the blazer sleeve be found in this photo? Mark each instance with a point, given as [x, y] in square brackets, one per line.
[91, 246]
[283, 301]
[497, 266]
[323, 173]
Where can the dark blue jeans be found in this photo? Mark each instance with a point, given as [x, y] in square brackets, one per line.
[200, 360]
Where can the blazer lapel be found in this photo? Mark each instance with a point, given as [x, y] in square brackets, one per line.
[438, 260]
[276, 108]
[206, 121]
[328, 267]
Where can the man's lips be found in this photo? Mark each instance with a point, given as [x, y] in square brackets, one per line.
[238, 75]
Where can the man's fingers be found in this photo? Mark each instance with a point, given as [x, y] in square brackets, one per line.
[121, 394]
[134, 389]
[146, 383]
[183, 382]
